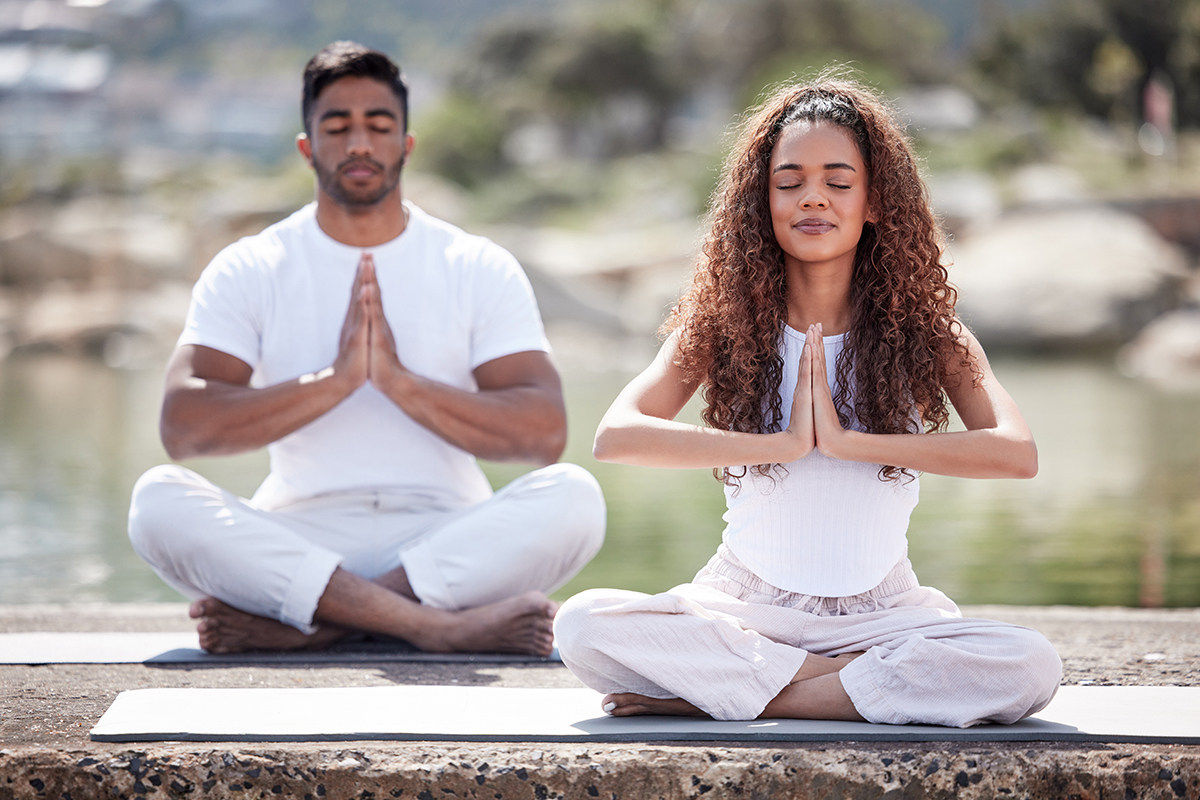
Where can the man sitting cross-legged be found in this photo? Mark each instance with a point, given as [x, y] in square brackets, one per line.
[376, 351]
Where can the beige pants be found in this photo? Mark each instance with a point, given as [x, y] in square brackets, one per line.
[535, 533]
[728, 643]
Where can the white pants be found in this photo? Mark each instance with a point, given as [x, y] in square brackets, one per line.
[728, 643]
[535, 533]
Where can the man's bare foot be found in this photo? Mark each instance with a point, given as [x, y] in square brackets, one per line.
[225, 629]
[521, 624]
[628, 704]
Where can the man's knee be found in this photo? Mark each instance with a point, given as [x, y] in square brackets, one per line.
[578, 503]
[160, 496]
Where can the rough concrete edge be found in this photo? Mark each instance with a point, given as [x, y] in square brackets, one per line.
[1026, 770]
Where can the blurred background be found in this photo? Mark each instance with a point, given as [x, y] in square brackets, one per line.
[1060, 143]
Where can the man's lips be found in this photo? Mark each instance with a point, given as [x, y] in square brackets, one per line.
[360, 169]
[814, 225]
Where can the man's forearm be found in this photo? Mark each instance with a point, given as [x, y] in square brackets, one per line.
[516, 423]
[210, 417]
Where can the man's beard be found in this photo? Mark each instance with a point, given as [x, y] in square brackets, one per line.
[331, 183]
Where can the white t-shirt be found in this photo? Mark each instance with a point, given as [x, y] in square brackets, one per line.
[826, 527]
[454, 301]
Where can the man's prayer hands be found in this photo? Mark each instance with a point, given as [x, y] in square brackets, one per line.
[367, 348]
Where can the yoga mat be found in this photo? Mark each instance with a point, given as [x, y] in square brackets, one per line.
[1151, 714]
[184, 648]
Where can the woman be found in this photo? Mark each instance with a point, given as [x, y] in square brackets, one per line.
[821, 327]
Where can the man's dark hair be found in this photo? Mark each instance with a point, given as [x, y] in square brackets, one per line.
[350, 59]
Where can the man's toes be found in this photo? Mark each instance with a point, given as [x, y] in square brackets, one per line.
[199, 608]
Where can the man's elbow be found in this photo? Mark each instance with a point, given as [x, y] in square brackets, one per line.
[545, 446]
[551, 448]
[177, 444]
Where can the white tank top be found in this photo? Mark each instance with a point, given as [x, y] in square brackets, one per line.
[824, 527]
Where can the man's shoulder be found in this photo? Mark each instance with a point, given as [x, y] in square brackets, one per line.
[269, 246]
[458, 244]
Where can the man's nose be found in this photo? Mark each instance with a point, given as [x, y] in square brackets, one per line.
[359, 143]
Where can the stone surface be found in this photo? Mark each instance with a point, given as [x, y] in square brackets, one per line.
[1166, 352]
[46, 713]
[1084, 275]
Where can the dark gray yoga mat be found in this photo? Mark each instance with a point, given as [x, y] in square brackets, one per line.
[184, 648]
[1150, 714]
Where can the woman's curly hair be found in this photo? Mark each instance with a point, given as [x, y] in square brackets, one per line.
[904, 338]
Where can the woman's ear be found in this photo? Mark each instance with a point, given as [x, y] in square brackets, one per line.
[872, 208]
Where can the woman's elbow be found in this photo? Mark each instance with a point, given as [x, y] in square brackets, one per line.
[1024, 461]
[607, 444]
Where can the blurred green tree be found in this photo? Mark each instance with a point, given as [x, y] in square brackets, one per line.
[605, 80]
[1097, 56]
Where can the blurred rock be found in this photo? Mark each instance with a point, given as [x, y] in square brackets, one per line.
[1088, 275]
[127, 328]
[964, 197]
[620, 280]
[1166, 352]
[937, 108]
[1040, 184]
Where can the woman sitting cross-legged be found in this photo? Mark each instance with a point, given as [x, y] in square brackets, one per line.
[821, 329]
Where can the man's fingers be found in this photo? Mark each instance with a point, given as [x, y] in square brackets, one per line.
[366, 269]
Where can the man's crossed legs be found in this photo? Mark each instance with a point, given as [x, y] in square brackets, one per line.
[468, 580]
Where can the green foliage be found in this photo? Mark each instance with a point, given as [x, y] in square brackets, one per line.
[891, 42]
[1096, 56]
[607, 82]
[459, 139]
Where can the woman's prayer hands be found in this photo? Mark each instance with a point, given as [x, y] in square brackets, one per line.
[814, 419]
[801, 422]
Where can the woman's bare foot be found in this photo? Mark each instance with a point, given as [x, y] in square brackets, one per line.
[628, 704]
[815, 666]
[225, 629]
[521, 624]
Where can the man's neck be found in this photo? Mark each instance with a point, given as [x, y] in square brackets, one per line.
[365, 227]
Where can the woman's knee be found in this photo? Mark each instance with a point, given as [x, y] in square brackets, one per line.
[1043, 669]
[577, 626]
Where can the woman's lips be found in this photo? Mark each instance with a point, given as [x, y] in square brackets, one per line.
[814, 226]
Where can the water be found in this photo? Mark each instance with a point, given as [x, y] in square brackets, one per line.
[1113, 518]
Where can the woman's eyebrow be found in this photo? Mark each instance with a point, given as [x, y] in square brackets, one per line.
[797, 167]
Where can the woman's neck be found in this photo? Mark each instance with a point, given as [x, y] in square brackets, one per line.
[818, 295]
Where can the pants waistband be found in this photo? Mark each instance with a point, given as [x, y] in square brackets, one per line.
[725, 564]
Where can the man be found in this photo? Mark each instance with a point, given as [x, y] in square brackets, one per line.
[376, 351]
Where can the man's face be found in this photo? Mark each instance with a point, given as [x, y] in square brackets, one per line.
[357, 146]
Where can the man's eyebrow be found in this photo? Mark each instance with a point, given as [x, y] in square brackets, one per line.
[341, 113]
[828, 167]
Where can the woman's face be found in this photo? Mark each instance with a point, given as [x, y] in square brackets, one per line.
[819, 195]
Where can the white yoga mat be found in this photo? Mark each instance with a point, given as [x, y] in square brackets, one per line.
[184, 648]
[1152, 714]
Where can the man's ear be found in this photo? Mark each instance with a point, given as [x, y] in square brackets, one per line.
[409, 144]
[304, 146]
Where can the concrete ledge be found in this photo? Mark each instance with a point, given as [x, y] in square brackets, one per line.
[46, 712]
[607, 771]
